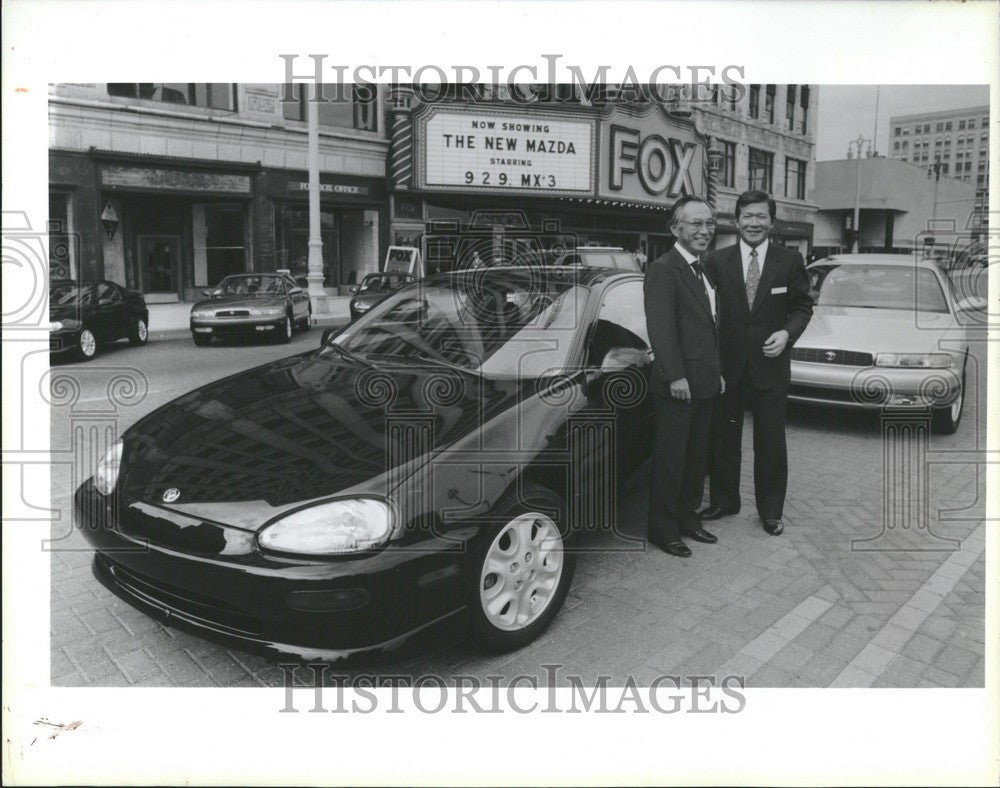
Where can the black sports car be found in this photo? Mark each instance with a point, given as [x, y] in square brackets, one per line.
[439, 455]
[85, 315]
[268, 305]
[375, 287]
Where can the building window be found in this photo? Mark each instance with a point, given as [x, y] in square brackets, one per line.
[790, 108]
[947, 126]
[769, 103]
[895, 145]
[761, 169]
[347, 112]
[944, 169]
[795, 178]
[214, 95]
[755, 101]
[727, 174]
[219, 229]
[62, 262]
[804, 105]
[897, 131]
[961, 125]
[940, 127]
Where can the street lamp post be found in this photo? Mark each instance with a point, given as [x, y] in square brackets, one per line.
[315, 258]
[858, 145]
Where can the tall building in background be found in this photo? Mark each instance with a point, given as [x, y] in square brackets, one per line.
[958, 138]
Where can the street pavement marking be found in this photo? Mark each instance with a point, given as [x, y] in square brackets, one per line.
[874, 658]
[769, 642]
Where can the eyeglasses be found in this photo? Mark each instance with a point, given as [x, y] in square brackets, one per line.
[700, 225]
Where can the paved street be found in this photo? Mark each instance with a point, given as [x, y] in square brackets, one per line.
[846, 597]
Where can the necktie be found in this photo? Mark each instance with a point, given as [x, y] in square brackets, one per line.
[753, 277]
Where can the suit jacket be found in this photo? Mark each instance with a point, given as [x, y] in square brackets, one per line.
[782, 301]
[681, 328]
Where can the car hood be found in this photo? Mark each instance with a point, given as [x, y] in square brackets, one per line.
[875, 330]
[299, 429]
[240, 302]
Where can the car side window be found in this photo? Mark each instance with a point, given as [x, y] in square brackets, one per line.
[621, 322]
[106, 290]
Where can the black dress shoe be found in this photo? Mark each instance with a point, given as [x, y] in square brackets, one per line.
[674, 548]
[715, 513]
[774, 527]
[701, 535]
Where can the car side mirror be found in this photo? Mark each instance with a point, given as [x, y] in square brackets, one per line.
[619, 358]
[206, 293]
[353, 289]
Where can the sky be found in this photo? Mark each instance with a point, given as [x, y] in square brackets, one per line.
[848, 110]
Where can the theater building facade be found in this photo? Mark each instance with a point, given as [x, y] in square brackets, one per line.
[601, 175]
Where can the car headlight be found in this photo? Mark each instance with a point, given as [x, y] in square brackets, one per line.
[202, 313]
[56, 326]
[106, 476]
[915, 360]
[266, 311]
[332, 528]
[362, 306]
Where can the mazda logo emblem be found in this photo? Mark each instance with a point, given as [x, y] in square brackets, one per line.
[830, 355]
[171, 495]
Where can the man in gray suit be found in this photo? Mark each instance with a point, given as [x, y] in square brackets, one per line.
[681, 320]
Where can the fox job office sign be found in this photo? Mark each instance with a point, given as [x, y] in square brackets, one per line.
[507, 152]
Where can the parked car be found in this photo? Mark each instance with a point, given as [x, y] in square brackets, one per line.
[85, 315]
[375, 287]
[268, 305]
[423, 463]
[884, 333]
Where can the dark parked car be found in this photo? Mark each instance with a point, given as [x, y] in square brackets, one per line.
[375, 287]
[437, 457]
[85, 315]
[269, 305]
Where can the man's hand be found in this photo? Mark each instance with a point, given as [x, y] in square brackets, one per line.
[775, 343]
[679, 390]
[722, 385]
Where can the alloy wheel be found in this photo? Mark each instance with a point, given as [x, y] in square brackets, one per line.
[521, 572]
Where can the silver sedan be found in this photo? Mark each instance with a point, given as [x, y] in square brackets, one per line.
[885, 333]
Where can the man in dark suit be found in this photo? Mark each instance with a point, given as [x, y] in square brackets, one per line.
[681, 320]
[764, 306]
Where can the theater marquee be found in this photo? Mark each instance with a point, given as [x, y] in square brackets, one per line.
[507, 152]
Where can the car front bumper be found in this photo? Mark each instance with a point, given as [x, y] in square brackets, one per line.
[324, 609]
[874, 387]
[241, 326]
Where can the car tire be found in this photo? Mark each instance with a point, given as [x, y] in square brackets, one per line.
[201, 340]
[284, 332]
[138, 333]
[521, 571]
[307, 323]
[87, 344]
[945, 421]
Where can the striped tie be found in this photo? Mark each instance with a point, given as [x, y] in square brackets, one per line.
[753, 277]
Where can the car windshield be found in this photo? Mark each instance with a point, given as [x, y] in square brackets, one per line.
[506, 323]
[69, 294]
[252, 286]
[877, 287]
[383, 282]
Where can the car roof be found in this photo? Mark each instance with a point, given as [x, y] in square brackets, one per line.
[903, 260]
[599, 249]
[582, 275]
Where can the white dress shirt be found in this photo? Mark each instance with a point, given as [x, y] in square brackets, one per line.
[745, 250]
[693, 258]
